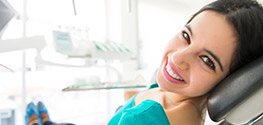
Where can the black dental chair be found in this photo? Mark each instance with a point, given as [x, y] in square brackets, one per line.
[238, 99]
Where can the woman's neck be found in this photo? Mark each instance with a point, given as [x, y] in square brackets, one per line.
[175, 98]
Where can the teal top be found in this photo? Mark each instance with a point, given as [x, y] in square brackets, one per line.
[148, 112]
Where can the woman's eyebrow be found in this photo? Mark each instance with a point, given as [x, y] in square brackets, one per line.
[190, 30]
[216, 58]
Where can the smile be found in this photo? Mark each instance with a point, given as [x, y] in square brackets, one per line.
[172, 73]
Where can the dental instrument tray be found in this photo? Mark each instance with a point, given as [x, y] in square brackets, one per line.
[103, 85]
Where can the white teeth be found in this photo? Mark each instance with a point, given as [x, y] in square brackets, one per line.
[171, 73]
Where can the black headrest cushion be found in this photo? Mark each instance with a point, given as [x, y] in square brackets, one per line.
[234, 89]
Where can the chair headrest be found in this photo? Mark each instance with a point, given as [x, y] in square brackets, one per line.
[235, 89]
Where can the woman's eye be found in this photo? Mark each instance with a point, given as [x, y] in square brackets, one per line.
[186, 36]
[208, 62]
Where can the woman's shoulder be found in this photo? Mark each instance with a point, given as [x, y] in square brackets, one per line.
[149, 94]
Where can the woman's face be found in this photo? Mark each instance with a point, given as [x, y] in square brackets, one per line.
[199, 56]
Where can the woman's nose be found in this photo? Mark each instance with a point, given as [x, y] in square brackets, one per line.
[181, 60]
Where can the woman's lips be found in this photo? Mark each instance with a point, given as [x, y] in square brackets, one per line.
[171, 74]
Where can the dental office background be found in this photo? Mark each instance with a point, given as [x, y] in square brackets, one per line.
[86, 42]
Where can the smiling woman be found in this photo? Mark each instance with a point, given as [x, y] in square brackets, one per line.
[198, 55]
[214, 43]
